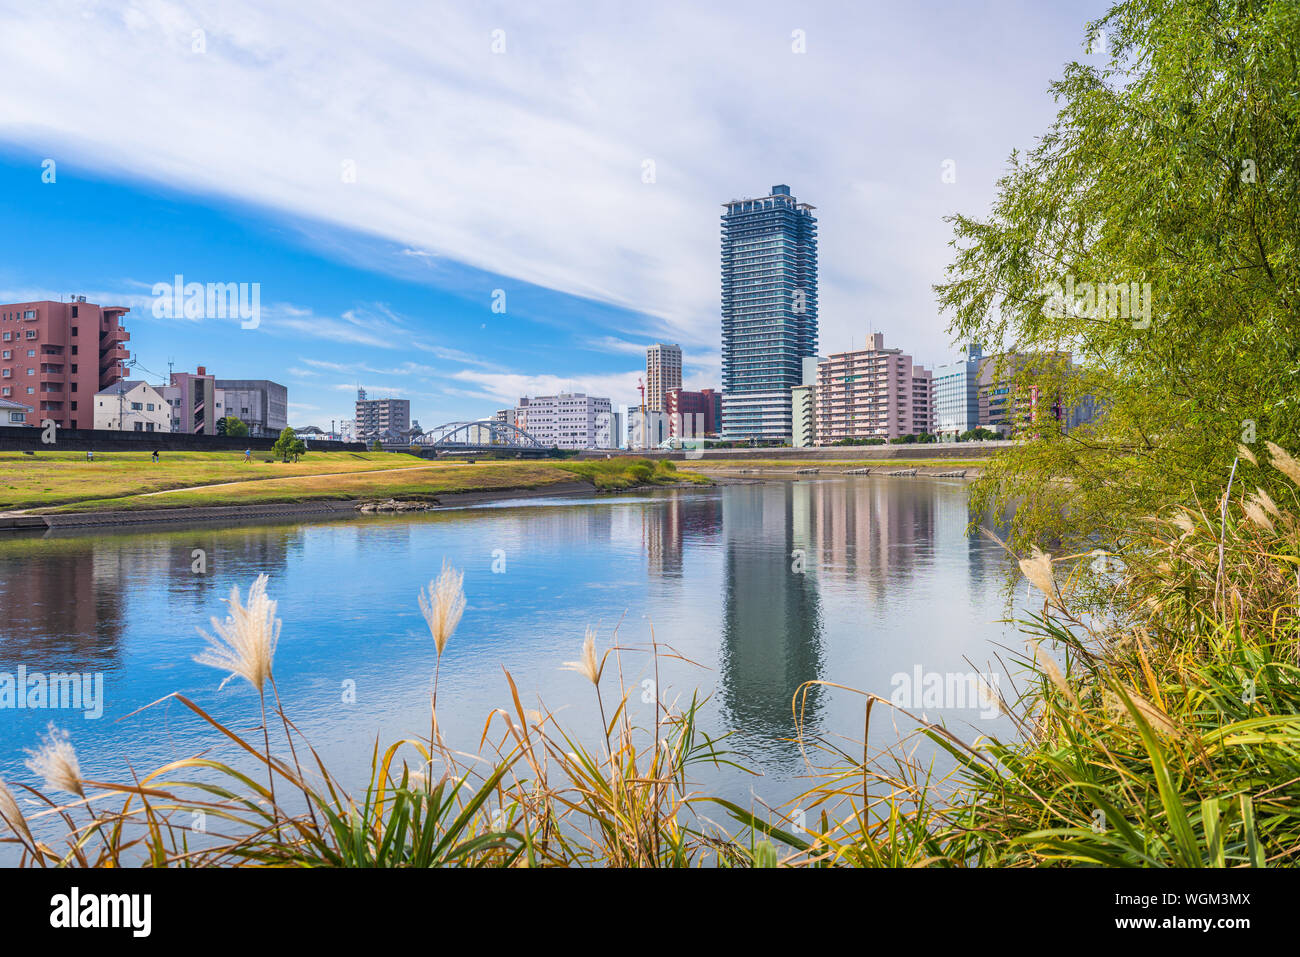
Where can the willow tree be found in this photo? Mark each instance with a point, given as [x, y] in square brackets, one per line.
[1152, 234]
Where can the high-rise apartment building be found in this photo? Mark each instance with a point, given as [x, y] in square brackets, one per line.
[565, 421]
[54, 357]
[663, 373]
[769, 311]
[872, 393]
[383, 419]
[956, 395]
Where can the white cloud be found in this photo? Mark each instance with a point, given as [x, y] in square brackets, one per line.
[509, 387]
[530, 163]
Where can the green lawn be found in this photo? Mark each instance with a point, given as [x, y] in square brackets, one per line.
[65, 481]
[47, 479]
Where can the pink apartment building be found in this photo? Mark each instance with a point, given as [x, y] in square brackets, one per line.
[193, 400]
[54, 357]
[872, 393]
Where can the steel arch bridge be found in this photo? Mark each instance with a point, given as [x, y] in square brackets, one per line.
[483, 435]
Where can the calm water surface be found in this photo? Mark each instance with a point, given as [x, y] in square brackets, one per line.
[764, 587]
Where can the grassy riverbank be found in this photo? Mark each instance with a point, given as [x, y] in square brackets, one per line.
[66, 481]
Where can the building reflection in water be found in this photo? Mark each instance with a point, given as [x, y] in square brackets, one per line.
[873, 533]
[66, 597]
[675, 520]
[58, 606]
[771, 616]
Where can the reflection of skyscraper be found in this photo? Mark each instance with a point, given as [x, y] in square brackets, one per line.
[771, 642]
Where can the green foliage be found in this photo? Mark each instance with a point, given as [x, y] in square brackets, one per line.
[232, 427]
[978, 434]
[1176, 163]
[625, 472]
[288, 445]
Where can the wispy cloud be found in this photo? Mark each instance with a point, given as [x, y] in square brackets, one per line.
[590, 156]
[509, 387]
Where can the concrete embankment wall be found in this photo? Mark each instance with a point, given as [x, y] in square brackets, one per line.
[25, 439]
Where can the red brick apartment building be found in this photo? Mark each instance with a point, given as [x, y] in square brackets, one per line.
[54, 357]
[694, 413]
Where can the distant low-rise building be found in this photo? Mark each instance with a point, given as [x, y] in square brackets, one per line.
[693, 414]
[14, 413]
[1017, 390]
[564, 421]
[132, 406]
[609, 430]
[646, 430]
[192, 397]
[803, 405]
[260, 404]
[388, 420]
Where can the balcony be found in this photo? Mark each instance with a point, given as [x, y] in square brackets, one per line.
[113, 354]
[110, 336]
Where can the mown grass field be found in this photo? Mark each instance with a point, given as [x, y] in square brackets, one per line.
[65, 481]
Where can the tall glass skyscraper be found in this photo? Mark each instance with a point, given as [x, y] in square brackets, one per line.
[769, 311]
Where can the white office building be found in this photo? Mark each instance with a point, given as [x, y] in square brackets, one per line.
[956, 395]
[564, 421]
[646, 430]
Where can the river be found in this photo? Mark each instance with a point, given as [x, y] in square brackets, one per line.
[868, 582]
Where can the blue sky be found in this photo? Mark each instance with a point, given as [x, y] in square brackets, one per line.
[575, 158]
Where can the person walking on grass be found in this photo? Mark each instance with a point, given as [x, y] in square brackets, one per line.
[248, 455]
[155, 456]
[90, 455]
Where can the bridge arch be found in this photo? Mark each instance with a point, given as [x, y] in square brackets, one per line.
[479, 435]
